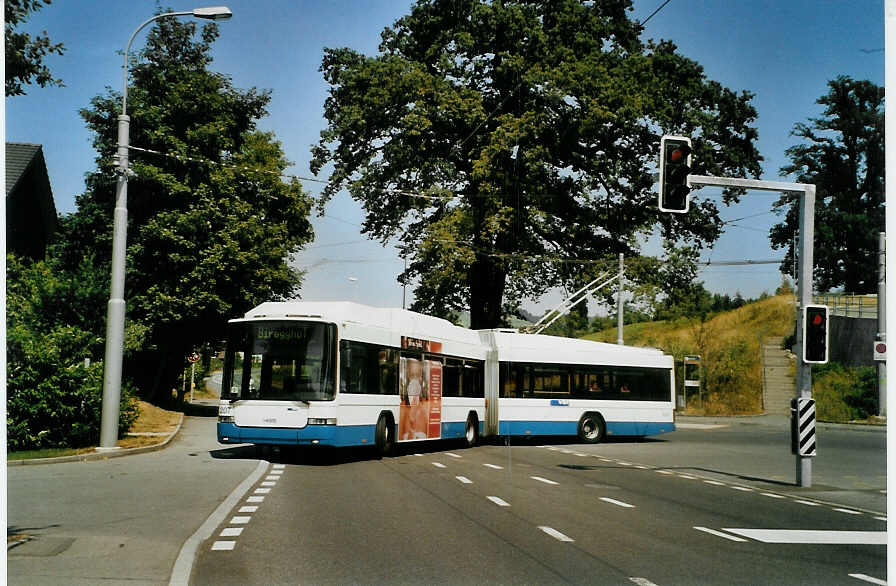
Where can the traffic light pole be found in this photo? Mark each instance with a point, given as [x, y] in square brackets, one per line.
[804, 285]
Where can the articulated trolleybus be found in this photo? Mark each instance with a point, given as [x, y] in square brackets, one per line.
[345, 374]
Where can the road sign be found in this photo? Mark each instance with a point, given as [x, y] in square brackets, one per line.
[194, 357]
[880, 351]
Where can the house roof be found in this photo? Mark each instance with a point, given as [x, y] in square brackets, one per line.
[19, 157]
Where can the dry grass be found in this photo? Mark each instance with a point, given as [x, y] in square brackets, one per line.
[152, 420]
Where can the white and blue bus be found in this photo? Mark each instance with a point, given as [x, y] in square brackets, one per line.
[345, 374]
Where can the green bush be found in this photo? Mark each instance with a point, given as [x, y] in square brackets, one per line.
[844, 393]
[54, 399]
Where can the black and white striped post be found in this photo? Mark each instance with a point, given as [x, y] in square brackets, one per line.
[802, 427]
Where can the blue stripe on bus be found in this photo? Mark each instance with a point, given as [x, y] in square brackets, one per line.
[358, 435]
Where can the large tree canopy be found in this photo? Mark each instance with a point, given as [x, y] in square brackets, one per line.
[534, 126]
[843, 155]
[206, 239]
[24, 54]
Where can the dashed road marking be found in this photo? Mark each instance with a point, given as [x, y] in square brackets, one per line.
[240, 520]
[804, 536]
[642, 581]
[231, 532]
[453, 455]
[772, 495]
[556, 534]
[248, 509]
[847, 511]
[255, 499]
[499, 501]
[545, 480]
[464, 479]
[807, 503]
[223, 545]
[439, 465]
[617, 503]
[494, 466]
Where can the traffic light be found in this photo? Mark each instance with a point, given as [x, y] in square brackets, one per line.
[675, 166]
[815, 334]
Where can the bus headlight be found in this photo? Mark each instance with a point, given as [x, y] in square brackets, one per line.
[225, 413]
[321, 421]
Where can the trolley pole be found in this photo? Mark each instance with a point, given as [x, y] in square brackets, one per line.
[804, 282]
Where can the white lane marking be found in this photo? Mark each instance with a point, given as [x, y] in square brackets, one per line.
[884, 519]
[719, 534]
[464, 479]
[699, 425]
[268, 483]
[232, 532]
[453, 455]
[545, 480]
[499, 501]
[255, 499]
[807, 503]
[772, 495]
[580, 455]
[812, 536]
[248, 509]
[848, 511]
[664, 472]
[240, 520]
[742, 488]
[867, 578]
[617, 503]
[495, 466]
[638, 466]
[556, 534]
[714, 482]
[273, 477]
[438, 465]
[262, 491]
[621, 463]
[223, 545]
[279, 466]
[642, 581]
[419, 455]
[183, 565]
[687, 477]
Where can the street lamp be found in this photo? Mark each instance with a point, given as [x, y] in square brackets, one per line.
[116, 306]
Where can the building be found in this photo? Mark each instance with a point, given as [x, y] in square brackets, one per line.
[30, 211]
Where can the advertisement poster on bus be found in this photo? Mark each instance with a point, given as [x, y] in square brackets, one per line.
[420, 387]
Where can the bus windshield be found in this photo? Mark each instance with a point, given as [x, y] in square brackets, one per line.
[280, 360]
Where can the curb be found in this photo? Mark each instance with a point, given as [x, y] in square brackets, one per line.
[93, 456]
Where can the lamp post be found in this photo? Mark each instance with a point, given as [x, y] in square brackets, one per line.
[116, 305]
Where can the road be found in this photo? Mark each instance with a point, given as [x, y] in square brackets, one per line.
[713, 503]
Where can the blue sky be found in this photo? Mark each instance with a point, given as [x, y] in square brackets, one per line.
[783, 52]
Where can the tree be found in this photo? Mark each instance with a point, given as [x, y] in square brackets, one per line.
[532, 127]
[24, 54]
[207, 239]
[843, 155]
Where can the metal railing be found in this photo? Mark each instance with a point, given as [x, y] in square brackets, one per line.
[848, 304]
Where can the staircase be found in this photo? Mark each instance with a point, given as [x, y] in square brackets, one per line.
[778, 384]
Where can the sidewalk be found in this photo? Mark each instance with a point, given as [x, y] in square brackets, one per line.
[119, 520]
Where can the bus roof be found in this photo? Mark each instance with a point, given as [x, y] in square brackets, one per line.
[510, 344]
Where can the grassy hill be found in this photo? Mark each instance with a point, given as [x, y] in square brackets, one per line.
[729, 344]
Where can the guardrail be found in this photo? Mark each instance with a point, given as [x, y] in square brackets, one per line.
[849, 305]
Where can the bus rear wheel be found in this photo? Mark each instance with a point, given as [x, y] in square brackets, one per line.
[591, 428]
[385, 435]
[471, 431]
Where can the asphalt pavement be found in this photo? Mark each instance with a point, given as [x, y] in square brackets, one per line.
[126, 520]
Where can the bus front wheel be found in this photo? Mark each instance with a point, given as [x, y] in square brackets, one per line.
[385, 435]
[591, 428]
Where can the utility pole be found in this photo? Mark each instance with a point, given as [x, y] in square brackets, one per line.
[804, 283]
[619, 299]
[882, 322]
